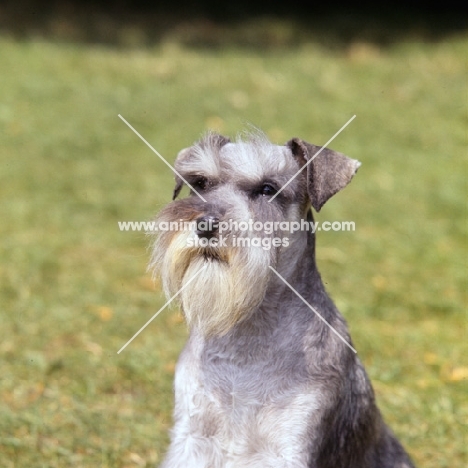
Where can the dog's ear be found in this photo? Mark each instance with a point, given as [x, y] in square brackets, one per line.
[327, 172]
[183, 155]
[211, 140]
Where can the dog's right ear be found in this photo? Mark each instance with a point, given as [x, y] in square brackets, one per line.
[211, 140]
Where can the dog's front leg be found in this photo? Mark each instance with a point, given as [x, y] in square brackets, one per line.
[192, 451]
[193, 438]
[193, 442]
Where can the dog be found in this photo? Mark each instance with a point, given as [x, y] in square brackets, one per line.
[268, 377]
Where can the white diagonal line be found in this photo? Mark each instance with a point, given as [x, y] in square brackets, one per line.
[313, 310]
[312, 158]
[162, 159]
[161, 309]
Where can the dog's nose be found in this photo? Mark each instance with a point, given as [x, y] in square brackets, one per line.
[207, 226]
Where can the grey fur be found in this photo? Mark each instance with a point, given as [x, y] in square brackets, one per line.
[274, 387]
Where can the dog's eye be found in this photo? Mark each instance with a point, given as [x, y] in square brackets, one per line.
[267, 190]
[200, 183]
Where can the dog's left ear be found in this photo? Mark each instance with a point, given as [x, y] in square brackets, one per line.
[327, 173]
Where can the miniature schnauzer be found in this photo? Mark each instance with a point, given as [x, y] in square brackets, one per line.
[263, 381]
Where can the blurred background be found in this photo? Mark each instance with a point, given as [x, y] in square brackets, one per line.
[74, 288]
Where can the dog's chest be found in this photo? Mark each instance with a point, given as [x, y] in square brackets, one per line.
[253, 414]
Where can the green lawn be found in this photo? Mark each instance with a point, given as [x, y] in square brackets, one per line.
[73, 289]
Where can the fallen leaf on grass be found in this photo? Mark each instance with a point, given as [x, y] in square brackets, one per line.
[458, 373]
[137, 459]
[105, 313]
[431, 358]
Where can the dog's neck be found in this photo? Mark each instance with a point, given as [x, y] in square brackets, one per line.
[299, 256]
[297, 266]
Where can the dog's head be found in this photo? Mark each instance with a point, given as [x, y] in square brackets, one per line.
[228, 232]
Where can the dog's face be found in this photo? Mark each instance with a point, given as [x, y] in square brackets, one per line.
[224, 238]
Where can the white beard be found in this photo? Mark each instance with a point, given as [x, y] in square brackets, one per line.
[225, 288]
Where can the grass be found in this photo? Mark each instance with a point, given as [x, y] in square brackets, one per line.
[73, 289]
